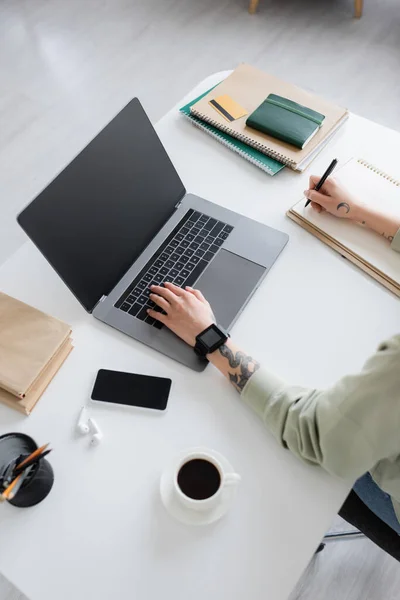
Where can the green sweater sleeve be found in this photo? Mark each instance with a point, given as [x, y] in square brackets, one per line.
[396, 242]
[347, 428]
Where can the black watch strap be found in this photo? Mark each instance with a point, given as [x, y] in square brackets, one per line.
[210, 340]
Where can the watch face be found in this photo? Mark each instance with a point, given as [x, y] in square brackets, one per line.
[210, 337]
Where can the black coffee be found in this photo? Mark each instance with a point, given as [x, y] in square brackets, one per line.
[199, 479]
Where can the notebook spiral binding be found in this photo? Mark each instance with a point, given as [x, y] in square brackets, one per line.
[243, 138]
[372, 167]
[250, 159]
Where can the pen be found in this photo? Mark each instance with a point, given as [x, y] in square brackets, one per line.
[31, 462]
[324, 177]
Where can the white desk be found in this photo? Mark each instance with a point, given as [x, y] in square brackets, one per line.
[314, 317]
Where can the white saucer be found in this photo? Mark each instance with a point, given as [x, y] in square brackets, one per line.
[187, 515]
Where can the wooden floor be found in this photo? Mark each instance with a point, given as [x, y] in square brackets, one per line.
[349, 570]
[68, 66]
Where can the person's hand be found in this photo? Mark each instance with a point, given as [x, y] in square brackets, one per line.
[187, 311]
[333, 198]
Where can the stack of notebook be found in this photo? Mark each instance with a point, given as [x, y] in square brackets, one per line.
[262, 161]
[363, 247]
[269, 122]
[33, 346]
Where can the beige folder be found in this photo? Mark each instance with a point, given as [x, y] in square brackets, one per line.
[249, 87]
[29, 341]
[26, 404]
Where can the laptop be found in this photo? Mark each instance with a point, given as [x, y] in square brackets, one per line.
[118, 219]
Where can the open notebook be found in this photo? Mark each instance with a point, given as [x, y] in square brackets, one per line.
[249, 87]
[363, 247]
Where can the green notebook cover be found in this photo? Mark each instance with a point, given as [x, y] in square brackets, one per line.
[267, 164]
[286, 120]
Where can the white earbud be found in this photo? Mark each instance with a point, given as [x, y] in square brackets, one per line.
[82, 424]
[97, 434]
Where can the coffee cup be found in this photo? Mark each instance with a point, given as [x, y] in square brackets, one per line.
[200, 479]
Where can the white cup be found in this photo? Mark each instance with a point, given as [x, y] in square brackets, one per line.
[226, 479]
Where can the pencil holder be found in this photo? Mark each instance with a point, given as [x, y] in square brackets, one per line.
[39, 481]
[36, 486]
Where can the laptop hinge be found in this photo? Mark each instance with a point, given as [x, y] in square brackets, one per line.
[177, 205]
[99, 302]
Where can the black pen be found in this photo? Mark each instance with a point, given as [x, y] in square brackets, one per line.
[324, 177]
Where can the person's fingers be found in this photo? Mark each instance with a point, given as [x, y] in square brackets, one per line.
[196, 293]
[157, 315]
[317, 207]
[174, 288]
[312, 182]
[160, 301]
[328, 188]
[318, 198]
[166, 293]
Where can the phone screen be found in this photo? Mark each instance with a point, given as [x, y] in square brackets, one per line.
[130, 389]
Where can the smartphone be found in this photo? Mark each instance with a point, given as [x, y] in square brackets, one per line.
[129, 389]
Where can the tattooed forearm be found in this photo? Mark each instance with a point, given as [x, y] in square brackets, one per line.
[234, 360]
[343, 205]
[243, 366]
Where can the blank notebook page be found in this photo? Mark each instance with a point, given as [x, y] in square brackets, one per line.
[373, 189]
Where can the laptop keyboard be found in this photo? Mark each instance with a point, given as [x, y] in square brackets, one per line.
[181, 259]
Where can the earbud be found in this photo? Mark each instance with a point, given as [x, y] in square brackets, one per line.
[97, 434]
[82, 424]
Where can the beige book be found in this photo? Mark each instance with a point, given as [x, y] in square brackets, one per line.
[249, 87]
[29, 340]
[365, 248]
[29, 401]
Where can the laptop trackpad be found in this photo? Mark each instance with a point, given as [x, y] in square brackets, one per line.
[227, 283]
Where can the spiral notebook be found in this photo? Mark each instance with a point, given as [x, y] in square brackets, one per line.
[257, 158]
[363, 247]
[249, 87]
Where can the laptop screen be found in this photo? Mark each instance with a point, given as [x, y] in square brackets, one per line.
[104, 208]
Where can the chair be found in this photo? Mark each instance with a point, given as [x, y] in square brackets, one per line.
[340, 535]
[358, 7]
[355, 512]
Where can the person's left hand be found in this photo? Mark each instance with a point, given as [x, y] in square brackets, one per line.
[187, 311]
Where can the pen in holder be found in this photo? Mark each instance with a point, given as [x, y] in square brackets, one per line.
[39, 480]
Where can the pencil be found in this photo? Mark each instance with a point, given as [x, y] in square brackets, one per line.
[324, 177]
[21, 478]
[10, 488]
[33, 455]
[31, 462]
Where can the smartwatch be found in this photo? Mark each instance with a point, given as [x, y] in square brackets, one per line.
[210, 340]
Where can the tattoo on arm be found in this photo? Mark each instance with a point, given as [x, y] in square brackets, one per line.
[343, 205]
[244, 366]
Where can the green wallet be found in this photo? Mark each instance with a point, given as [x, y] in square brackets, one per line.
[286, 120]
